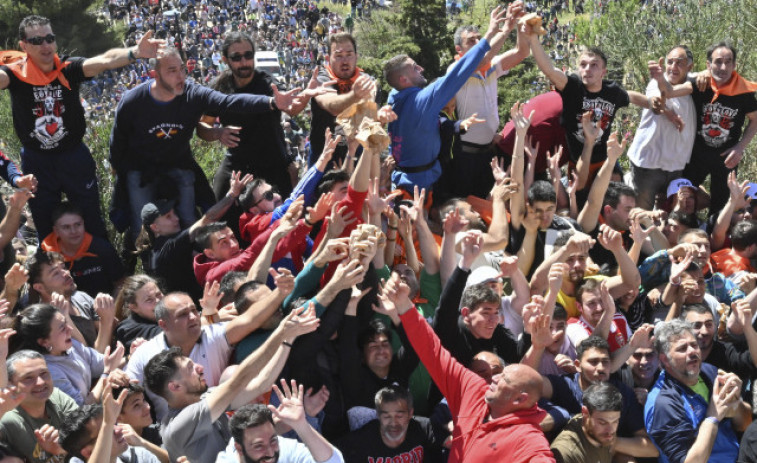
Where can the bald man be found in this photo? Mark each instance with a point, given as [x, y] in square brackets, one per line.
[500, 422]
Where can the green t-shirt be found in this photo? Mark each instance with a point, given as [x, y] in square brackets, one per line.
[17, 428]
[701, 388]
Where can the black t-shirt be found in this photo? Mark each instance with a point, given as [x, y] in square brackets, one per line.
[171, 262]
[97, 270]
[50, 117]
[719, 124]
[748, 447]
[365, 444]
[603, 257]
[261, 141]
[545, 239]
[604, 104]
[133, 327]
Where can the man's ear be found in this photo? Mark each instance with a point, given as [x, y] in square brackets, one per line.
[86, 452]
[458, 49]
[40, 288]
[162, 324]
[209, 254]
[465, 311]
[577, 364]
[584, 411]
[606, 209]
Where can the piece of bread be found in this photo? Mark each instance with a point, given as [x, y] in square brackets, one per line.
[533, 20]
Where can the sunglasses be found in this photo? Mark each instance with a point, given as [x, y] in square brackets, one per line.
[39, 40]
[267, 196]
[237, 57]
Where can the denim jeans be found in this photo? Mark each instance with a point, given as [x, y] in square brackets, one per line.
[139, 195]
[649, 183]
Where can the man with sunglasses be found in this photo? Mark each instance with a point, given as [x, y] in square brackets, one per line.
[49, 119]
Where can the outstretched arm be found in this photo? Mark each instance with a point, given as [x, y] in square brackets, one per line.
[119, 57]
[556, 76]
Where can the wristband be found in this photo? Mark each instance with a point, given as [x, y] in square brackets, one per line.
[272, 104]
[132, 56]
[713, 420]
[391, 228]
[104, 375]
[286, 344]
[675, 283]
[307, 222]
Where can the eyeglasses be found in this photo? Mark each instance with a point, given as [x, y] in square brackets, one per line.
[39, 40]
[237, 57]
[267, 196]
[640, 355]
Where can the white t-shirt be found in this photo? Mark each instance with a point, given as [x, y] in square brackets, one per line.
[657, 143]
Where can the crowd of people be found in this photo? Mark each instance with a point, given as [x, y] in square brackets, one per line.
[436, 286]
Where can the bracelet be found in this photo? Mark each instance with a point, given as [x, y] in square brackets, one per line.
[674, 283]
[391, 228]
[713, 420]
[132, 56]
[286, 344]
[309, 223]
[104, 375]
[392, 239]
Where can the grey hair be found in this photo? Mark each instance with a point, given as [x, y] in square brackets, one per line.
[459, 33]
[25, 354]
[165, 52]
[667, 332]
[161, 310]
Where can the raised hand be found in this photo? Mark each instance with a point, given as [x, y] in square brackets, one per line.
[377, 204]
[642, 337]
[555, 276]
[105, 307]
[508, 266]
[520, 121]
[615, 148]
[329, 146]
[348, 274]
[737, 191]
[147, 47]
[541, 335]
[211, 296]
[554, 164]
[638, 232]
[47, 438]
[608, 303]
[320, 209]
[472, 246]
[394, 298]
[610, 239]
[335, 249]
[416, 211]
[229, 135]
[473, 119]
[573, 184]
[131, 436]
[27, 182]
[386, 115]
[19, 199]
[590, 129]
[291, 411]
[579, 243]
[112, 361]
[339, 220]
[315, 401]
[237, 183]
[300, 321]
[10, 398]
[454, 222]
[657, 69]
[283, 279]
[498, 170]
[677, 267]
[284, 100]
[316, 88]
[532, 151]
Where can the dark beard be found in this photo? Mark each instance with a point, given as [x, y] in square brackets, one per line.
[247, 458]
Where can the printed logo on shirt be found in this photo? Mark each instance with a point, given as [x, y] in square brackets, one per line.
[717, 122]
[602, 114]
[413, 456]
[165, 130]
[48, 109]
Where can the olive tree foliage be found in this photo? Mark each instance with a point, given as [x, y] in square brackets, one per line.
[631, 34]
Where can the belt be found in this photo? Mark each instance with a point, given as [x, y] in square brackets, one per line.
[416, 169]
[474, 148]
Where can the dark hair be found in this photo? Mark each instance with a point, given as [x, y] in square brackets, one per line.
[228, 281]
[31, 21]
[723, 44]
[249, 416]
[73, 431]
[33, 323]
[161, 369]
[203, 234]
[559, 312]
[614, 191]
[236, 37]
[592, 342]
[393, 393]
[596, 51]
[34, 265]
[66, 207]
[744, 234]
[586, 286]
[246, 199]
[476, 295]
[688, 220]
[241, 300]
[25, 354]
[330, 179]
[603, 397]
[374, 329]
[393, 68]
[542, 190]
[449, 206]
[133, 388]
[697, 308]
[342, 37]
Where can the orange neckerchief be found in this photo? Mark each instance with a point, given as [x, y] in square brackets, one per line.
[736, 86]
[483, 69]
[343, 85]
[28, 72]
[52, 243]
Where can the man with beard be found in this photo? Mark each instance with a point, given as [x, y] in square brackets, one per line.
[396, 434]
[255, 142]
[573, 252]
[593, 367]
[153, 126]
[693, 411]
[352, 85]
[721, 110]
[197, 425]
[590, 437]
[255, 439]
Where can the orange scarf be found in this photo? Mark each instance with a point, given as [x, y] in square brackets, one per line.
[52, 244]
[736, 86]
[28, 72]
[343, 85]
[483, 69]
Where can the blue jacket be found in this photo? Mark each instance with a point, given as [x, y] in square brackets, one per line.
[673, 413]
[415, 133]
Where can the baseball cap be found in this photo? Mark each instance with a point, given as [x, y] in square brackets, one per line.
[483, 274]
[751, 193]
[676, 185]
[151, 211]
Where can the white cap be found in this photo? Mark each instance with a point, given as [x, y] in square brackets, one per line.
[675, 186]
[483, 274]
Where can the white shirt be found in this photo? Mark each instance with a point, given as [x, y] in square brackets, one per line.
[211, 352]
[657, 143]
[479, 95]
